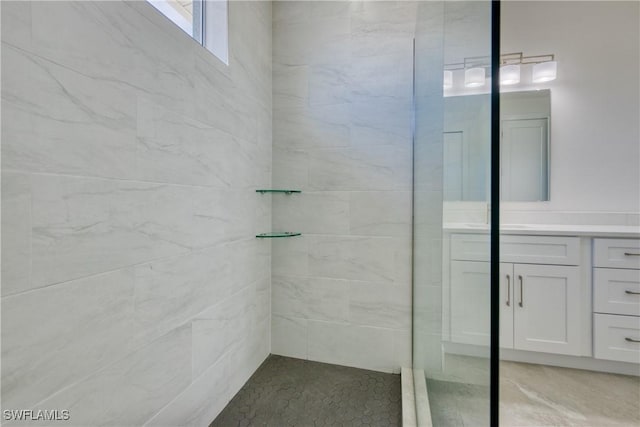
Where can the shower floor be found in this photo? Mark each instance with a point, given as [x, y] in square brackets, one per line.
[294, 392]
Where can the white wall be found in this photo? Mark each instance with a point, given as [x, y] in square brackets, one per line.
[595, 108]
[342, 134]
[133, 288]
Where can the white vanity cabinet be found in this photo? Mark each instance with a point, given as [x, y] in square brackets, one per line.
[616, 299]
[569, 295]
[540, 292]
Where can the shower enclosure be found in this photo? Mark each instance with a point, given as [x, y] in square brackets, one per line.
[452, 163]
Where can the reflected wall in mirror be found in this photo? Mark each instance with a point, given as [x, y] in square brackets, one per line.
[466, 147]
[525, 123]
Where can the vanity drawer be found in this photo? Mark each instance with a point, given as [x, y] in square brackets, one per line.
[616, 337]
[616, 253]
[616, 291]
[518, 249]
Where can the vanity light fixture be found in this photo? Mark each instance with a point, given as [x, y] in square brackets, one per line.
[544, 71]
[510, 74]
[448, 79]
[474, 77]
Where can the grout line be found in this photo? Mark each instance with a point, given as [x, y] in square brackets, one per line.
[131, 266]
[135, 181]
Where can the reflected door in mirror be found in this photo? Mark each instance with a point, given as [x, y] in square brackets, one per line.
[524, 152]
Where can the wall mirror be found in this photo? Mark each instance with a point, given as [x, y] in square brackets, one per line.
[525, 138]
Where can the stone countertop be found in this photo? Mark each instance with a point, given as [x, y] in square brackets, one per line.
[549, 229]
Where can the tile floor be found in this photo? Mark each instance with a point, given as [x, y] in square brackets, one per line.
[294, 392]
[541, 396]
[457, 404]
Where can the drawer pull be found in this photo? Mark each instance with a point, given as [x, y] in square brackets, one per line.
[521, 297]
[631, 340]
[508, 290]
[631, 292]
[630, 254]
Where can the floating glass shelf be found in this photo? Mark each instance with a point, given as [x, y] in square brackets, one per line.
[277, 234]
[278, 191]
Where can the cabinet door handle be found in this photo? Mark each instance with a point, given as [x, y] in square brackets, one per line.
[630, 254]
[631, 340]
[521, 297]
[631, 292]
[508, 290]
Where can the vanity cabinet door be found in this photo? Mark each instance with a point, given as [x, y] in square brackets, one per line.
[470, 302]
[547, 308]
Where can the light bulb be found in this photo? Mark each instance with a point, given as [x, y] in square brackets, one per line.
[545, 71]
[474, 77]
[510, 75]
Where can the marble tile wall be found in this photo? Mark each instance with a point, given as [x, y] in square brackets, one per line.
[342, 133]
[133, 289]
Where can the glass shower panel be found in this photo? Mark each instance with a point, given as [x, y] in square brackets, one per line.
[451, 273]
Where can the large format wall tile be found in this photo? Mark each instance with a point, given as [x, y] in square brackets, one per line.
[177, 149]
[132, 390]
[381, 167]
[88, 226]
[348, 257]
[380, 305]
[188, 408]
[310, 298]
[330, 83]
[290, 168]
[315, 41]
[220, 328]
[383, 28]
[316, 127]
[290, 257]
[16, 23]
[58, 120]
[384, 122]
[249, 355]
[382, 78]
[169, 292]
[16, 233]
[290, 85]
[318, 212]
[290, 296]
[289, 336]
[54, 337]
[380, 213]
[350, 345]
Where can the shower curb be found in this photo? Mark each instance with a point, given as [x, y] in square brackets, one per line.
[408, 398]
[415, 400]
[423, 410]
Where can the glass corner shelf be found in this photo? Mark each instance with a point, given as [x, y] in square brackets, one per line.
[278, 191]
[277, 234]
